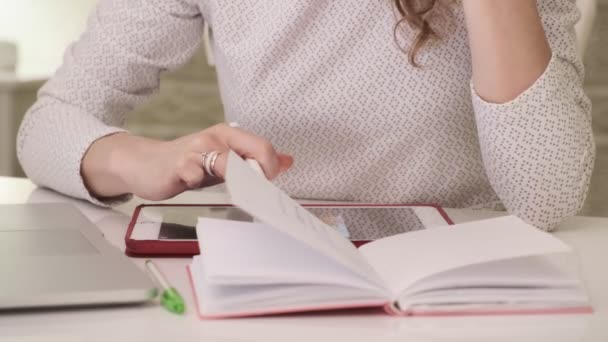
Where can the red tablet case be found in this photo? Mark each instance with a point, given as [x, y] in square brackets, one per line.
[146, 248]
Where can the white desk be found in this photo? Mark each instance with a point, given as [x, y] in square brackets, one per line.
[150, 323]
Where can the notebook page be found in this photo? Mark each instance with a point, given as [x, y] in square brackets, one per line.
[261, 199]
[246, 300]
[528, 272]
[250, 254]
[406, 258]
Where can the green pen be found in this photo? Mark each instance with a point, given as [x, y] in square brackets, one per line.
[169, 297]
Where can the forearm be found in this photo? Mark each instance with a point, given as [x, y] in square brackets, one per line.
[509, 48]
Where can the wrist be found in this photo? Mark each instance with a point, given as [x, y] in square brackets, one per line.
[127, 157]
[120, 154]
[108, 163]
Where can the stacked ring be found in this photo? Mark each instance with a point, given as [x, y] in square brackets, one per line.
[209, 159]
[204, 155]
[212, 163]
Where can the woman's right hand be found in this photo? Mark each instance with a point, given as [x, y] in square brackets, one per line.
[156, 170]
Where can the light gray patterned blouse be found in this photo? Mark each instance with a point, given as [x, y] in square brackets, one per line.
[325, 81]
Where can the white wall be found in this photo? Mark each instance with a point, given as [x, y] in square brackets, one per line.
[585, 25]
[42, 30]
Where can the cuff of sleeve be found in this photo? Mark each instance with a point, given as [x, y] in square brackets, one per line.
[541, 88]
[52, 146]
[82, 189]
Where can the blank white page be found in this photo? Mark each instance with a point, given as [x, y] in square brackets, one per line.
[245, 253]
[528, 272]
[253, 299]
[403, 259]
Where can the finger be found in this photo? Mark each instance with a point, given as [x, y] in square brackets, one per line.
[213, 166]
[285, 162]
[192, 176]
[191, 172]
[220, 164]
[249, 145]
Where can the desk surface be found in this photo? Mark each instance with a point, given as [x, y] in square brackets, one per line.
[589, 236]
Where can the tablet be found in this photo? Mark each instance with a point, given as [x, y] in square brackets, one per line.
[170, 229]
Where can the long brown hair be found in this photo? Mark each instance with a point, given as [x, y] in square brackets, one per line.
[417, 14]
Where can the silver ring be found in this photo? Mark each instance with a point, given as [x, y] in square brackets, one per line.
[212, 163]
[205, 156]
[209, 159]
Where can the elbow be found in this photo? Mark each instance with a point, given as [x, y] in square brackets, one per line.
[32, 142]
[23, 145]
[550, 215]
[561, 199]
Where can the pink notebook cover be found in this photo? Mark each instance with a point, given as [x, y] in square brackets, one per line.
[389, 309]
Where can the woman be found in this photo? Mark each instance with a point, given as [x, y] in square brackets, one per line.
[471, 103]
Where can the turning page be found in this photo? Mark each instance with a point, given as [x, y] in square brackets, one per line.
[257, 196]
[250, 254]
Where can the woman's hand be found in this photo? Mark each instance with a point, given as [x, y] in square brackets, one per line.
[157, 170]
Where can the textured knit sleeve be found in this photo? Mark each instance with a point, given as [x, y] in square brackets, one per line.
[114, 66]
[538, 149]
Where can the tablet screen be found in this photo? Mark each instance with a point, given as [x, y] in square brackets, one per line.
[369, 223]
[177, 223]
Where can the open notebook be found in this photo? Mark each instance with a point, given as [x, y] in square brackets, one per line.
[290, 261]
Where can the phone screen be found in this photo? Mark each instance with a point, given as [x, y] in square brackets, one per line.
[355, 223]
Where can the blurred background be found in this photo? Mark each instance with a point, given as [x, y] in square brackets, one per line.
[34, 34]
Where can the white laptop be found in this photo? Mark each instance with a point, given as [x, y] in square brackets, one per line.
[52, 255]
